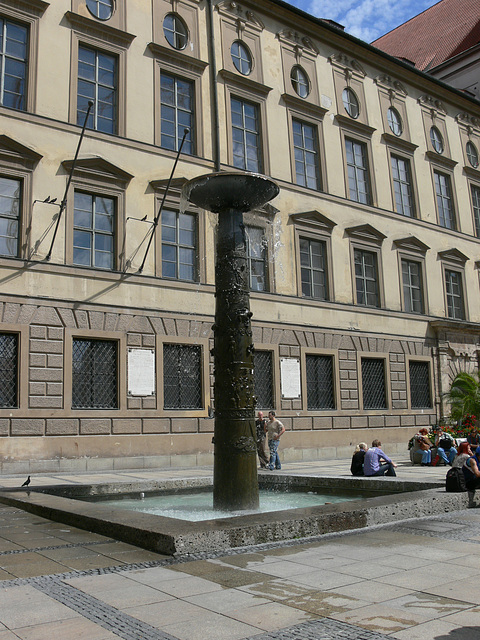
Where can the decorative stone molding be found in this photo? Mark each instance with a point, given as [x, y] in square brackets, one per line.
[432, 104]
[367, 233]
[349, 66]
[453, 255]
[302, 44]
[471, 122]
[242, 16]
[412, 244]
[392, 86]
[313, 219]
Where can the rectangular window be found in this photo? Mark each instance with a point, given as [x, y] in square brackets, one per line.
[402, 186]
[10, 199]
[305, 145]
[94, 375]
[313, 269]
[97, 81]
[366, 278]
[257, 258]
[246, 135]
[177, 113]
[263, 379]
[13, 64]
[179, 245]
[373, 383]
[182, 376]
[8, 370]
[420, 396]
[93, 231]
[320, 387]
[358, 172]
[443, 190]
[476, 208]
[454, 293]
[412, 286]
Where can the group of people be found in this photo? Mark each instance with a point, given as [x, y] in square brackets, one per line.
[371, 461]
[270, 431]
[469, 463]
[444, 442]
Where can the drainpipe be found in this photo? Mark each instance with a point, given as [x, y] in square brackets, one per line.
[214, 92]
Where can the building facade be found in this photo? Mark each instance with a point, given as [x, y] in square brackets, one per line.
[364, 271]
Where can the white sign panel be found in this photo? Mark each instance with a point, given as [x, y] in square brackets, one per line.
[290, 377]
[141, 372]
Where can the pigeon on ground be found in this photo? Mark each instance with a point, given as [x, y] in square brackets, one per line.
[27, 482]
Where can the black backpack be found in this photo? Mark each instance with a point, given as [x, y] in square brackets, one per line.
[455, 481]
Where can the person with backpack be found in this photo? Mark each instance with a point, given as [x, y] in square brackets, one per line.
[455, 480]
[471, 471]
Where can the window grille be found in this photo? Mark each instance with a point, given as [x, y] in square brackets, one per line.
[13, 64]
[97, 81]
[257, 258]
[313, 269]
[320, 388]
[366, 278]
[305, 144]
[402, 186]
[373, 383]
[8, 370]
[246, 136]
[182, 376]
[179, 246]
[263, 379]
[10, 199]
[454, 292]
[177, 113]
[420, 396]
[94, 376]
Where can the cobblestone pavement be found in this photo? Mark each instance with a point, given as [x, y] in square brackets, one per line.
[411, 580]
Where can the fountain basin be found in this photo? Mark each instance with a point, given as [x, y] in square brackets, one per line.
[180, 538]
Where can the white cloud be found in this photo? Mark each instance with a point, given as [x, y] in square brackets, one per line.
[365, 19]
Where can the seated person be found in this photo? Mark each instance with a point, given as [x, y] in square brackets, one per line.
[471, 471]
[372, 465]
[464, 453]
[357, 460]
[422, 443]
[445, 447]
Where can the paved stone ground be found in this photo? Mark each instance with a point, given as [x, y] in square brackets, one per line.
[411, 580]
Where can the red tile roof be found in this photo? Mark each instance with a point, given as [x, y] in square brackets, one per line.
[436, 34]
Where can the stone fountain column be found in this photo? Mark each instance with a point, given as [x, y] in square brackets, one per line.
[235, 483]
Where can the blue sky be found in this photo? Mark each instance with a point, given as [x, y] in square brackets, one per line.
[365, 19]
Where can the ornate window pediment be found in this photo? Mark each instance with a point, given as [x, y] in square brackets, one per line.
[432, 104]
[411, 243]
[453, 255]
[301, 44]
[315, 220]
[243, 17]
[97, 168]
[12, 151]
[392, 86]
[366, 233]
[349, 66]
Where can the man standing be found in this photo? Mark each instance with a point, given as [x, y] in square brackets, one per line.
[372, 465]
[261, 425]
[275, 430]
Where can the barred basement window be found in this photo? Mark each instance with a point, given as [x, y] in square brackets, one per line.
[320, 393]
[8, 370]
[420, 397]
[373, 383]
[263, 379]
[182, 376]
[94, 375]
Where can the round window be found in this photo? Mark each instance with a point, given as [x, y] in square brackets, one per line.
[350, 102]
[101, 9]
[472, 154]
[175, 31]
[241, 57]
[300, 81]
[395, 121]
[436, 140]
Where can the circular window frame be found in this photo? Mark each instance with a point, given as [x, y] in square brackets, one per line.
[170, 35]
[472, 154]
[237, 60]
[395, 121]
[112, 10]
[296, 85]
[347, 104]
[436, 140]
